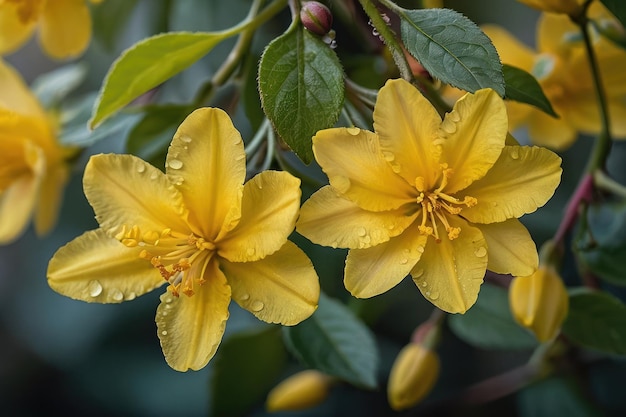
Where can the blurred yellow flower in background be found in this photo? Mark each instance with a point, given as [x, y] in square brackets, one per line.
[413, 376]
[198, 228]
[33, 168]
[569, 7]
[300, 391]
[64, 25]
[561, 66]
[438, 200]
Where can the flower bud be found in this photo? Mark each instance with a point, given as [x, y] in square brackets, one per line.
[539, 302]
[569, 7]
[300, 391]
[316, 18]
[412, 376]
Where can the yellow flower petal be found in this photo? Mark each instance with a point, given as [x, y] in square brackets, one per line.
[191, 328]
[511, 248]
[281, 288]
[545, 130]
[328, 219]
[65, 28]
[270, 205]
[510, 50]
[25, 164]
[207, 162]
[413, 375]
[376, 270]
[126, 191]
[407, 124]
[50, 198]
[450, 272]
[300, 391]
[523, 179]
[554, 32]
[474, 134]
[355, 166]
[97, 268]
[15, 95]
[13, 32]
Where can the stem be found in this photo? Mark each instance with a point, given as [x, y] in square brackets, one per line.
[389, 37]
[606, 183]
[582, 194]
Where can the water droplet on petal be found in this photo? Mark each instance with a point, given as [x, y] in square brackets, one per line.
[448, 126]
[341, 183]
[131, 296]
[404, 261]
[418, 273]
[257, 305]
[244, 297]
[164, 332]
[117, 295]
[361, 232]
[420, 249]
[480, 252]
[175, 163]
[389, 156]
[353, 131]
[250, 251]
[94, 288]
[154, 175]
[433, 295]
[185, 139]
[334, 244]
[514, 153]
[141, 168]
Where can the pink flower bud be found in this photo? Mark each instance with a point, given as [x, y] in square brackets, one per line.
[316, 18]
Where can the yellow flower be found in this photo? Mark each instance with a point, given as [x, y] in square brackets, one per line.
[412, 377]
[569, 7]
[539, 302]
[198, 228]
[33, 171]
[64, 25]
[300, 391]
[561, 66]
[437, 200]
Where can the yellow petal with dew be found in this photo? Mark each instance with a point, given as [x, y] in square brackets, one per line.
[281, 288]
[539, 302]
[473, 137]
[510, 49]
[356, 167]
[407, 124]
[97, 268]
[207, 162]
[328, 219]
[127, 191]
[413, 375]
[65, 28]
[191, 328]
[373, 271]
[450, 272]
[15, 94]
[270, 205]
[13, 31]
[523, 179]
[511, 248]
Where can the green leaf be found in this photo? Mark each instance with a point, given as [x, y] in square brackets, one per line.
[602, 248]
[555, 397]
[246, 367]
[334, 341]
[489, 323]
[52, 87]
[147, 64]
[301, 85]
[618, 8]
[154, 132]
[596, 320]
[523, 87]
[452, 48]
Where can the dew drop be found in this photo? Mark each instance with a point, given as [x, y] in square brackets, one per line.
[418, 274]
[141, 168]
[95, 288]
[175, 163]
[334, 244]
[395, 168]
[353, 131]
[433, 295]
[361, 232]
[420, 249]
[185, 139]
[454, 116]
[244, 297]
[514, 153]
[164, 313]
[341, 183]
[154, 175]
[448, 126]
[257, 305]
[480, 252]
[131, 296]
[424, 284]
[404, 261]
[117, 295]
[389, 156]
[164, 332]
[250, 251]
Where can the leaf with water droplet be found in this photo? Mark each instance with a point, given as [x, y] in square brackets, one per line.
[300, 96]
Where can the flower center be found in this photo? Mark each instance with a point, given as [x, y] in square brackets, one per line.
[181, 260]
[435, 205]
[28, 11]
